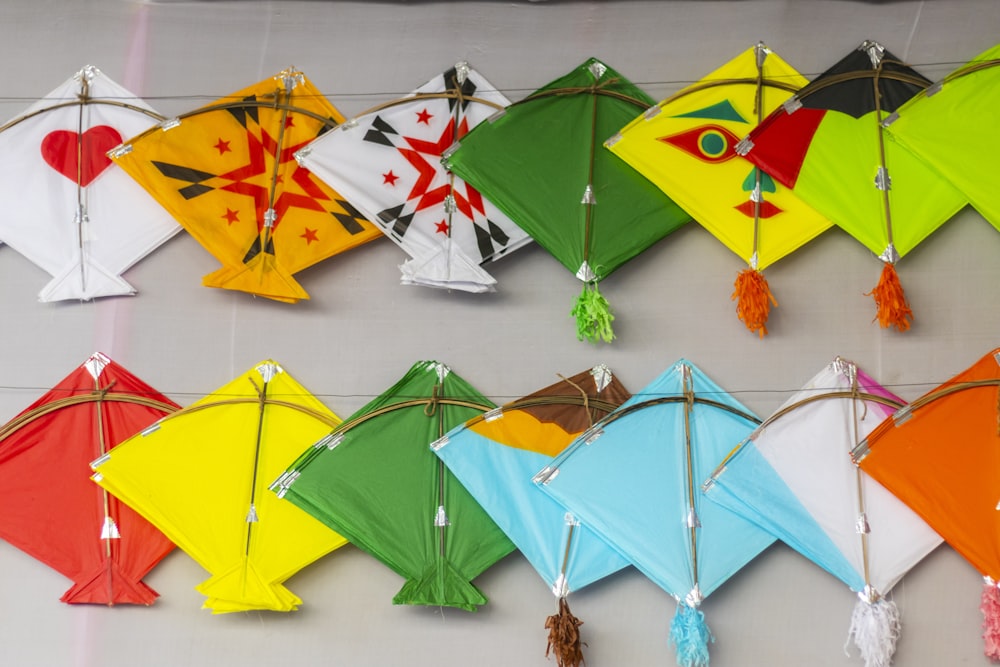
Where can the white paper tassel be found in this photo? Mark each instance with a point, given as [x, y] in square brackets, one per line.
[875, 628]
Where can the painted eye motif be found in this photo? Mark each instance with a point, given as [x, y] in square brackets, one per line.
[709, 143]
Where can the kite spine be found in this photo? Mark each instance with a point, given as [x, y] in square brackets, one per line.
[892, 308]
[751, 292]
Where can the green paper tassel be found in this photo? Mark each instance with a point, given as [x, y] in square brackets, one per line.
[593, 315]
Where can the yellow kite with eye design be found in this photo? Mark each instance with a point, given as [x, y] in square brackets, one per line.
[686, 146]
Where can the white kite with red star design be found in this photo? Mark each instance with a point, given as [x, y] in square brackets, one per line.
[69, 209]
[387, 163]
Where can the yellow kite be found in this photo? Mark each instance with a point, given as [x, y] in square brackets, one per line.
[201, 477]
[686, 146]
[228, 174]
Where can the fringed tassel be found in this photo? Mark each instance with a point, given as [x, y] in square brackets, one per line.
[690, 635]
[893, 309]
[875, 628]
[753, 300]
[564, 637]
[990, 606]
[593, 315]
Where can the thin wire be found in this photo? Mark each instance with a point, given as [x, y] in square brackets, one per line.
[677, 83]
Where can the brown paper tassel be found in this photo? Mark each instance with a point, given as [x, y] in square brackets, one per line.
[753, 300]
[893, 309]
[564, 637]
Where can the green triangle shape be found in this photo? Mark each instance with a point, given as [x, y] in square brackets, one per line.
[723, 110]
[766, 182]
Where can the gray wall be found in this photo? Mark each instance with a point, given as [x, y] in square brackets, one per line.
[361, 330]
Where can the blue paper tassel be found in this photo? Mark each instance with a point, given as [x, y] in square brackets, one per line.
[690, 635]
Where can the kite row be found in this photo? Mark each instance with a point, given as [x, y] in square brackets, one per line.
[259, 478]
[272, 179]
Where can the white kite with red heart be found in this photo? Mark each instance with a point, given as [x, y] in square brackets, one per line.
[68, 208]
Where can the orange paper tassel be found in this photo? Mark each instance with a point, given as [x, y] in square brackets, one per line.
[893, 309]
[753, 300]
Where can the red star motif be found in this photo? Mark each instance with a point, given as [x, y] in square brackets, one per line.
[289, 121]
[231, 216]
[258, 147]
[442, 227]
[309, 235]
[223, 146]
[389, 178]
[424, 117]
[428, 170]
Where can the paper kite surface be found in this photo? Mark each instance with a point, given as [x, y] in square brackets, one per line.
[795, 478]
[828, 145]
[68, 208]
[634, 478]
[938, 456]
[51, 509]
[686, 146]
[201, 476]
[377, 482]
[495, 457]
[542, 163]
[387, 163]
[227, 173]
[952, 127]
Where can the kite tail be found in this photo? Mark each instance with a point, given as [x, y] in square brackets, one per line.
[593, 315]
[893, 309]
[875, 628]
[109, 585]
[564, 637]
[84, 279]
[753, 300]
[441, 585]
[990, 606]
[261, 276]
[242, 588]
[690, 635]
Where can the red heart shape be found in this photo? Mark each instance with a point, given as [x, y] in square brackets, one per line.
[59, 150]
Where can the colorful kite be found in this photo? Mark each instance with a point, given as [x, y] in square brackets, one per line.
[201, 477]
[634, 479]
[541, 163]
[53, 512]
[795, 478]
[387, 163]
[686, 146]
[69, 210]
[952, 124]
[939, 455]
[827, 143]
[227, 173]
[494, 456]
[375, 480]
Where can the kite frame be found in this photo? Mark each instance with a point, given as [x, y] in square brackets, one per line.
[97, 396]
[854, 395]
[690, 399]
[863, 448]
